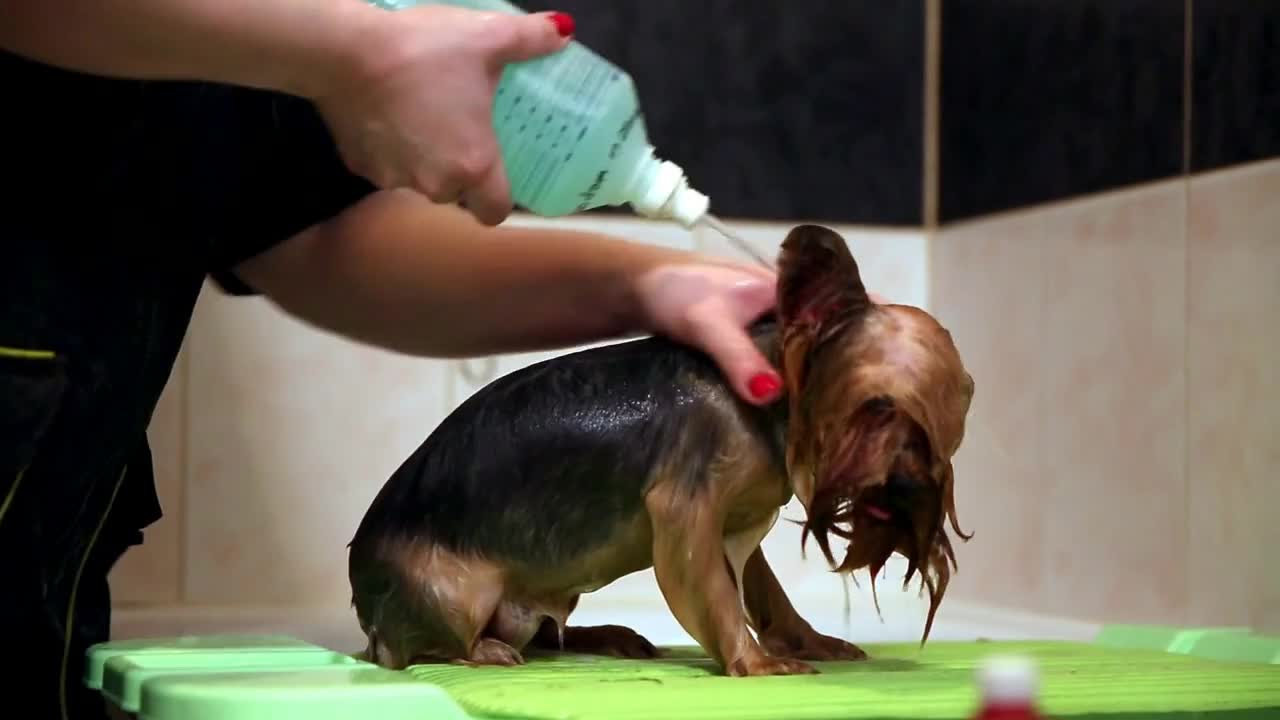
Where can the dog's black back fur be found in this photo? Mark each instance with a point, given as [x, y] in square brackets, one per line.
[542, 464]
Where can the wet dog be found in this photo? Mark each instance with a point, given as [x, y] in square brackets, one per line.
[559, 478]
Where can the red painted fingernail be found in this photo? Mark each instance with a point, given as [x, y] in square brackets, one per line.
[563, 22]
[765, 386]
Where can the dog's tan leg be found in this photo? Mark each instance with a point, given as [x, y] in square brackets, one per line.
[694, 574]
[781, 629]
[740, 546]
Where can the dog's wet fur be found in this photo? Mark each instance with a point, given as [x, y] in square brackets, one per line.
[561, 477]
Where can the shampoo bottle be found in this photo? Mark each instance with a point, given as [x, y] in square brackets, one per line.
[573, 138]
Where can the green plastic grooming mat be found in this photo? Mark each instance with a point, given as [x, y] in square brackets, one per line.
[1128, 673]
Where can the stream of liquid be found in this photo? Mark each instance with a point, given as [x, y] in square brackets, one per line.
[716, 224]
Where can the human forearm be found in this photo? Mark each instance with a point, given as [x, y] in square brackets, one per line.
[285, 45]
[398, 272]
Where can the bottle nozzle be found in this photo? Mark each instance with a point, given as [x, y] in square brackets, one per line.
[668, 196]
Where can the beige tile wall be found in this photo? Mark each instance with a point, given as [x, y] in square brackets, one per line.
[1122, 459]
[1073, 476]
[1233, 359]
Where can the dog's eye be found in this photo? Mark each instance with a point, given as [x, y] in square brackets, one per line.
[879, 405]
[901, 487]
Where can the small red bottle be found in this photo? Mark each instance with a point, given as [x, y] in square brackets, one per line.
[1009, 687]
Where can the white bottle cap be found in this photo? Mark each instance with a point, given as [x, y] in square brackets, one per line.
[665, 194]
[1009, 680]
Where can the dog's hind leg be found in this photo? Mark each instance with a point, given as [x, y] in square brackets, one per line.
[419, 603]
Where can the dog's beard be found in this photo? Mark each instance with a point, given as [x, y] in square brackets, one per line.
[856, 464]
[875, 531]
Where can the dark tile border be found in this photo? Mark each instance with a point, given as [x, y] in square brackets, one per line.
[1049, 99]
[1235, 82]
[777, 110]
[816, 111]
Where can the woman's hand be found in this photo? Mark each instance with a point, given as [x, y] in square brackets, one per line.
[709, 306]
[416, 109]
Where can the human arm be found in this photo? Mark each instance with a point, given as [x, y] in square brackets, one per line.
[408, 95]
[287, 45]
[399, 272]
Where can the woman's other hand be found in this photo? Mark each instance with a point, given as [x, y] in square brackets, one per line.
[709, 306]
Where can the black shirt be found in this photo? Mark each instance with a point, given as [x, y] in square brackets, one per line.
[120, 198]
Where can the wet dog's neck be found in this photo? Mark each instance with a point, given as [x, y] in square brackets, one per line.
[774, 417]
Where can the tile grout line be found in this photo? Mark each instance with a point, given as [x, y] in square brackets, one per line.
[1188, 69]
[931, 140]
[1038, 591]
[932, 110]
[1188, 575]
[1189, 517]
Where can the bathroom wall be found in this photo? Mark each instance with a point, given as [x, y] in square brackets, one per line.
[1086, 193]
[1121, 460]
[1107, 254]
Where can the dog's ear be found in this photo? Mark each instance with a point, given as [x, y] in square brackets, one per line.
[818, 279]
[819, 291]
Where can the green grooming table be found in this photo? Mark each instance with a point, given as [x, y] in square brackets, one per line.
[1128, 673]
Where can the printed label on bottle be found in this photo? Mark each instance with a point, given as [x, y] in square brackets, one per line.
[588, 196]
[562, 121]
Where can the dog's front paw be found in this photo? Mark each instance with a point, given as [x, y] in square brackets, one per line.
[809, 644]
[761, 664]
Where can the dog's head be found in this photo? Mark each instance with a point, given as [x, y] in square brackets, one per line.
[878, 399]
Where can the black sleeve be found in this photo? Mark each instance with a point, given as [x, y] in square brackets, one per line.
[272, 170]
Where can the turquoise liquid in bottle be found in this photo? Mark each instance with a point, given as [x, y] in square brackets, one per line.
[573, 137]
